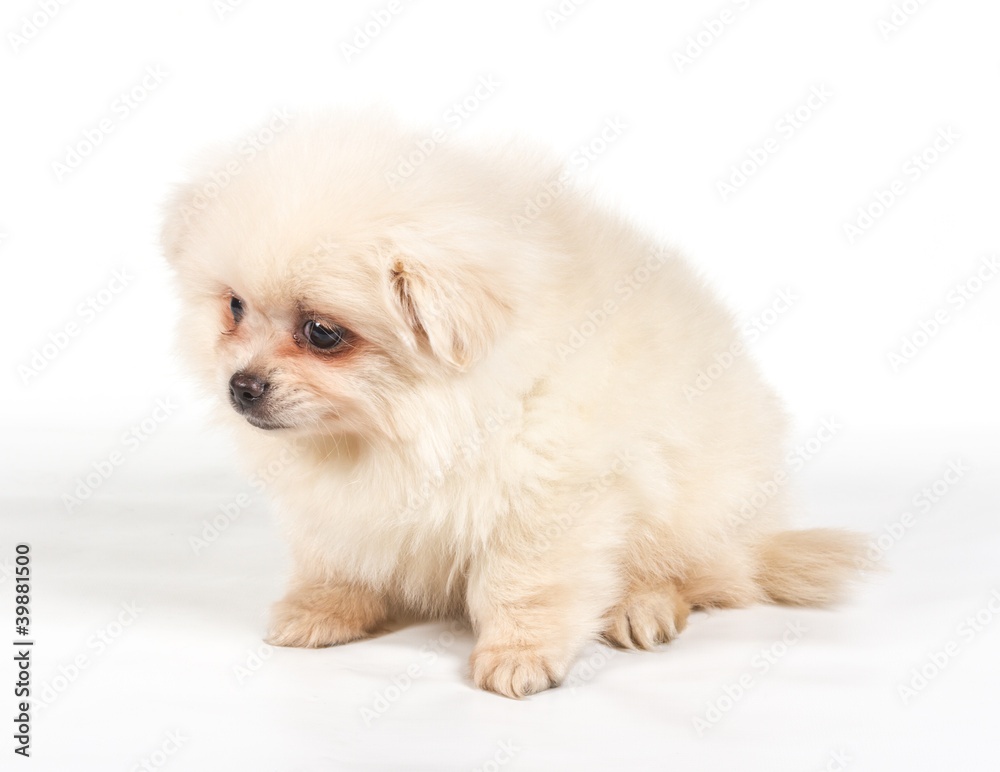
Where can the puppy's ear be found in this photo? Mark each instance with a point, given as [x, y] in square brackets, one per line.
[453, 310]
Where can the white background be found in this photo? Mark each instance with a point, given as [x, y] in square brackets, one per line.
[69, 401]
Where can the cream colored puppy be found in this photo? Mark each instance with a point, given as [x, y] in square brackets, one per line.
[482, 407]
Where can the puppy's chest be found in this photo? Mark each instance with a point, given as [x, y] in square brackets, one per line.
[433, 519]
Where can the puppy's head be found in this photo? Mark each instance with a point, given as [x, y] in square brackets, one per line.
[319, 299]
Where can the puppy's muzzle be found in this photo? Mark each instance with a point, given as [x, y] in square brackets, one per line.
[247, 392]
[252, 398]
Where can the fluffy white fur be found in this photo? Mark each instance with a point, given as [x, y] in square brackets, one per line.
[509, 434]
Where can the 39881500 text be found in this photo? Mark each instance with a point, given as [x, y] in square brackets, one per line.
[22, 649]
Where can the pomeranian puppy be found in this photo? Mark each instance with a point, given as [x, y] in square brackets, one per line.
[488, 396]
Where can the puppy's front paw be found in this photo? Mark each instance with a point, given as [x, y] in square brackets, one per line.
[646, 617]
[513, 671]
[293, 625]
[315, 617]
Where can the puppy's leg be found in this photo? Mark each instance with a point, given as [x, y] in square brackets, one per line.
[534, 605]
[650, 612]
[315, 614]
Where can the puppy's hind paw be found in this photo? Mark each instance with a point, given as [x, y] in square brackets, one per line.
[646, 617]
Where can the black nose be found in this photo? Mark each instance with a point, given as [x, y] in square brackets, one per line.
[246, 389]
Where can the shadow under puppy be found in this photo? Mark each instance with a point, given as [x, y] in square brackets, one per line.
[484, 390]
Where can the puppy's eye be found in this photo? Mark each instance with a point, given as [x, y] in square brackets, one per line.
[237, 307]
[322, 337]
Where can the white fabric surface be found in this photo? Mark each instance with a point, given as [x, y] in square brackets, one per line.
[831, 701]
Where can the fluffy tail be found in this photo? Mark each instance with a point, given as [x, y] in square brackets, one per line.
[809, 568]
